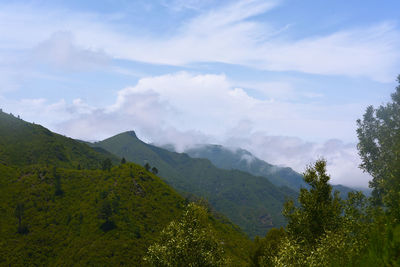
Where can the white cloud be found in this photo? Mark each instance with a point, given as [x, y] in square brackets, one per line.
[342, 158]
[228, 34]
[61, 52]
[186, 109]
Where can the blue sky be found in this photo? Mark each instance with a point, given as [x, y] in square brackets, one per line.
[284, 79]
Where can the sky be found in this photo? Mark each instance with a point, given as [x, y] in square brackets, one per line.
[284, 79]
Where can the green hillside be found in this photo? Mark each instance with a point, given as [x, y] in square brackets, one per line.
[24, 143]
[243, 160]
[62, 216]
[251, 202]
[240, 159]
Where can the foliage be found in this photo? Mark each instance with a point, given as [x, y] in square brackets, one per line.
[154, 170]
[57, 183]
[19, 214]
[266, 248]
[147, 166]
[188, 242]
[80, 227]
[382, 248]
[319, 211]
[379, 148]
[106, 164]
[323, 230]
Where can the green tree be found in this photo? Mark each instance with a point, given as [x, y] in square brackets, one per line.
[106, 164]
[57, 183]
[105, 213]
[187, 242]
[319, 210]
[268, 247]
[154, 170]
[19, 214]
[123, 161]
[147, 166]
[379, 148]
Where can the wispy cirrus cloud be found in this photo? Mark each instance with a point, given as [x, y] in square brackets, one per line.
[231, 33]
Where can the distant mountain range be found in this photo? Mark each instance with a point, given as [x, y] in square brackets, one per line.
[240, 159]
[252, 202]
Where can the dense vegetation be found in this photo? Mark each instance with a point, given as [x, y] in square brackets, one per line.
[251, 202]
[325, 230]
[54, 213]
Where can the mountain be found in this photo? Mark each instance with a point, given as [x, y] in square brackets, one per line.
[240, 159]
[243, 160]
[249, 201]
[24, 143]
[54, 214]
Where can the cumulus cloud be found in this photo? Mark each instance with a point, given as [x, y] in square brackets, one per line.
[185, 109]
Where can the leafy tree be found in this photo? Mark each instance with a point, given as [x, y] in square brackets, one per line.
[105, 213]
[154, 170]
[106, 164]
[379, 148]
[57, 183]
[187, 242]
[123, 161]
[319, 210]
[147, 166]
[19, 214]
[267, 247]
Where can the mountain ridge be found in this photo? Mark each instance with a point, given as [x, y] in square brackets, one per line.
[241, 159]
[251, 202]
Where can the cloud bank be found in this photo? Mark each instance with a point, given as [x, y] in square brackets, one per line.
[185, 109]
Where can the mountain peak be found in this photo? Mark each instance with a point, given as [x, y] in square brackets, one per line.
[131, 133]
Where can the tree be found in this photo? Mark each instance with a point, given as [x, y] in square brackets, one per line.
[105, 213]
[106, 164]
[154, 170]
[268, 247]
[19, 214]
[123, 161]
[57, 183]
[187, 242]
[147, 166]
[319, 210]
[379, 147]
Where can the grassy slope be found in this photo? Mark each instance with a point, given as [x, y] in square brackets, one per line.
[251, 202]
